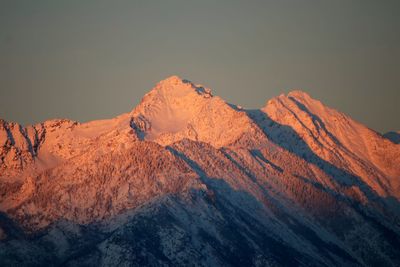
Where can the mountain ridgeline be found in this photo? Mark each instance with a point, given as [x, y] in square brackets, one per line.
[187, 179]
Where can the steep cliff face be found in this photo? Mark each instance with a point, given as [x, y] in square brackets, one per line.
[186, 178]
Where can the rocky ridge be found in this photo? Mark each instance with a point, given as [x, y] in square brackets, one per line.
[186, 178]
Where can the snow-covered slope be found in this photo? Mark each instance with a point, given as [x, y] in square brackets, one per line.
[177, 109]
[188, 179]
[339, 140]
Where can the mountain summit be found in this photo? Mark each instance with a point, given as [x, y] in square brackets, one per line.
[176, 109]
[186, 178]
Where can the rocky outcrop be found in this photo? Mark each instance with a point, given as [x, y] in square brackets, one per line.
[187, 179]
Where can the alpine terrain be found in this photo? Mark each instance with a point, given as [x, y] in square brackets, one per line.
[187, 179]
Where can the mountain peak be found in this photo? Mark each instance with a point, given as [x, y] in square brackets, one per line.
[101, 191]
[298, 94]
[177, 87]
[177, 108]
[172, 80]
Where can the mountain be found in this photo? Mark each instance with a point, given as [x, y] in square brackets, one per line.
[393, 136]
[176, 109]
[186, 178]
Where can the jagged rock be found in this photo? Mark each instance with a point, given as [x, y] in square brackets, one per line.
[188, 179]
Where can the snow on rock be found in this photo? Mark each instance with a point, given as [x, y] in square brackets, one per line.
[188, 179]
[176, 109]
[339, 140]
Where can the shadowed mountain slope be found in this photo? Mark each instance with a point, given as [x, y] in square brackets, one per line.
[188, 179]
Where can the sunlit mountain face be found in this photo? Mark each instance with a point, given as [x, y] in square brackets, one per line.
[187, 179]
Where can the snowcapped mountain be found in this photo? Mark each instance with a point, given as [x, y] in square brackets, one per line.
[188, 179]
[176, 109]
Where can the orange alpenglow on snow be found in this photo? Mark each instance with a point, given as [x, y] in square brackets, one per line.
[186, 165]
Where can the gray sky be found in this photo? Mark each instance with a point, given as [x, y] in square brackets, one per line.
[88, 60]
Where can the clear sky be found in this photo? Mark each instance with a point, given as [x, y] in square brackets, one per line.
[88, 60]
